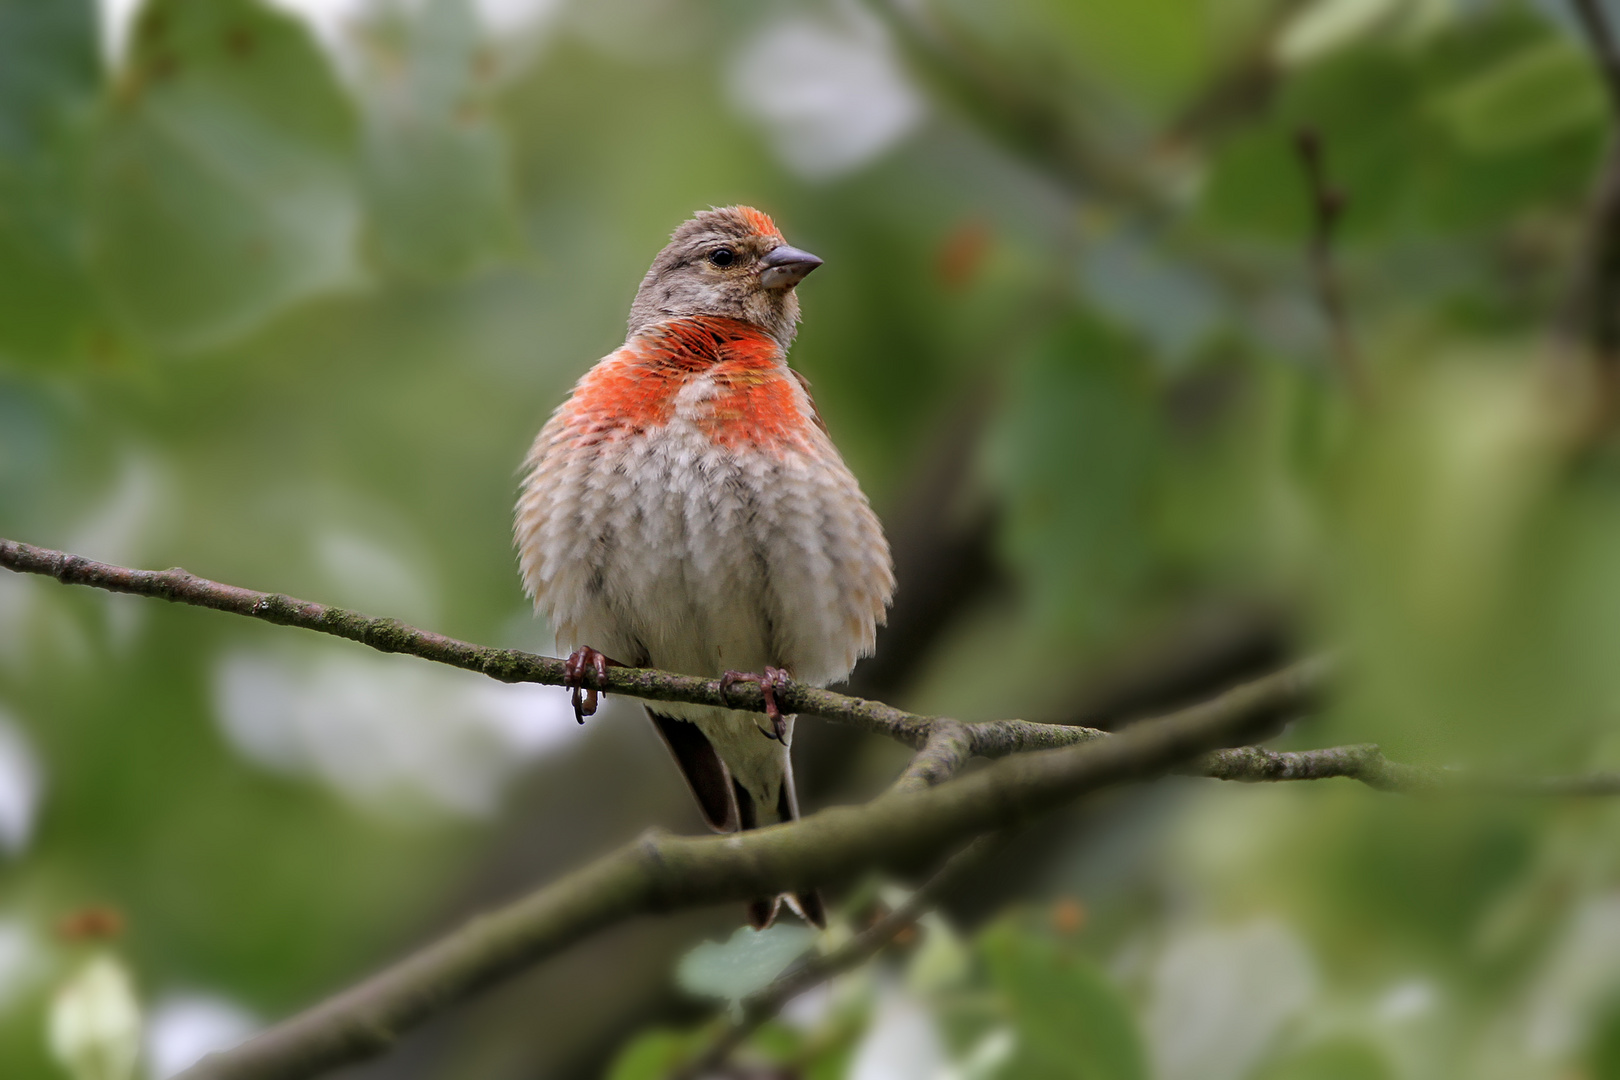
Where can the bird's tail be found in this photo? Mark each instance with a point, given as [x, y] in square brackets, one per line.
[728, 806]
[807, 904]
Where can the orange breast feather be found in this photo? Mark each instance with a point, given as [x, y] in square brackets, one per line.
[751, 398]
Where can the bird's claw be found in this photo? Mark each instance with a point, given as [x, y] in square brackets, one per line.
[769, 683]
[584, 698]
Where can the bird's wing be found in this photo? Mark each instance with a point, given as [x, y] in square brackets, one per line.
[815, 413]
[703, 770]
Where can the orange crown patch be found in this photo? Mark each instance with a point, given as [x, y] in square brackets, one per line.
[759, 221]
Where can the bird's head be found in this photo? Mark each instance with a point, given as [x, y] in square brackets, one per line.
[731, 262]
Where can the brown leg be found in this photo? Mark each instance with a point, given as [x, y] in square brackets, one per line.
[769, 683]
[584, 697]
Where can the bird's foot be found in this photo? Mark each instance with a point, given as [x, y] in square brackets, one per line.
[584, 698]
[774, 679]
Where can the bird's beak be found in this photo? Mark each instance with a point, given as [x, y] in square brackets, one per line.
[784, 267]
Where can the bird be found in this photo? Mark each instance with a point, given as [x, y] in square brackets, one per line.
[685, 508]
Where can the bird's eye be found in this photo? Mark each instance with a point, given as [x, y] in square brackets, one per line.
[722, 256]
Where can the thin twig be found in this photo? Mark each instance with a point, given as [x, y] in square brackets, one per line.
[1366, 763]
[994, 738]
[1327, 210]
[391, 635]
[949, 747]
[769, 1001]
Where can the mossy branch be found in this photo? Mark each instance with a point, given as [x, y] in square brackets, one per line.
[928, 812]
[659, 873]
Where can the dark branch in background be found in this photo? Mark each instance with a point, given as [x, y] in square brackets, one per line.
[1605, 45]
[1590, 320]
[865, 945]
[926, 814]
[1242, 88]
[1327, 210]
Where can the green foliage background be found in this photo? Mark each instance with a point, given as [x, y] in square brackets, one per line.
[256, 294]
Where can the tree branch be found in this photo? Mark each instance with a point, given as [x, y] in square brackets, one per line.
[507, 665]
[1366, 763]
[995, 738]
[923, 816]
[664, 873]
[949, 747]
[944, 745]
[1327, 209]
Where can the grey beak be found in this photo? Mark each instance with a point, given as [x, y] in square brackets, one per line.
[784, 267]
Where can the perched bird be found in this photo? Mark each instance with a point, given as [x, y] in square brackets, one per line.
[686, 509]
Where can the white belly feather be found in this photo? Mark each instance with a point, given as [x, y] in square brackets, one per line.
[664, 549]
[661, 548]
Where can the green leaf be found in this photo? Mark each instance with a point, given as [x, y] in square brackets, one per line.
[941, 962]
[1154, 50]
[222, 191]
[1443, 585]
[1542, 93]
[1337, 1059]
[1500, 116]
[437, 169]
[1072, 1022]
[1075, 448]
[48, 66]
[653, 1055]
[744, 964]
[49, 81]
[1328, 25]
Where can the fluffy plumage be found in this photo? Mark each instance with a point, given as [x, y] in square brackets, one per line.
[686, 509]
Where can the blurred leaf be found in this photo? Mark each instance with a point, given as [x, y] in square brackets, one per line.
[1603, 1055]
[986, 1058]
[1440, 508]
[745, 963]
[49, 79]
[95, 1022]
[437, 168]
[1339, 1059]
[1456, 134]
[50, 66]
[1071, 1021]
[1326, 25]
[1152, 49]
[1546, 91]
[653, 1055]
[1223, 995]
[1075, 451]
[941, 962]
[221, 191]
